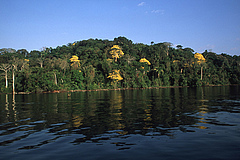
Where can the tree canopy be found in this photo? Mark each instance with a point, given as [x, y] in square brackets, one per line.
[104, 64]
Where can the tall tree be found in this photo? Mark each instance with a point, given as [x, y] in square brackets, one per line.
[22, 52]
[116, 52]
[5, 68]
[168, 45]
[15, 62]
[128, 58]
[200, 60]
[63, 63]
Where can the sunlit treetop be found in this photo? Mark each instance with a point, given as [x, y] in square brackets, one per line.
[145, 60]
[116, 47]
[75, 61]
[115, 75]
[116, 52]
[199, 56]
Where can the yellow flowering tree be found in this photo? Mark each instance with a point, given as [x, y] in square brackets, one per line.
[116, 52]
[115, 75]
[144, 60]
[75, 62]
[200, 60]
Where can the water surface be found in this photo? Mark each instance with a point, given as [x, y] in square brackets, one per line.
[169, 123]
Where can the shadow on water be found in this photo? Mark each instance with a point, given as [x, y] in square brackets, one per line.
[36, 120]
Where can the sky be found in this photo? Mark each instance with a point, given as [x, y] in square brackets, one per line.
[212, 25]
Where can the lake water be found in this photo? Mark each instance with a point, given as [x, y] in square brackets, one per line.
[151, 124]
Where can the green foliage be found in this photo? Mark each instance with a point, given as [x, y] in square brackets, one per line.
[77, 80]
[46, 82]
[141, 66]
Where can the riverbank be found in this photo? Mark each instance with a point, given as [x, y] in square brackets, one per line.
[117, 89]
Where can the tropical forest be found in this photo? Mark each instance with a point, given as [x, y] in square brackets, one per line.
[97, 64]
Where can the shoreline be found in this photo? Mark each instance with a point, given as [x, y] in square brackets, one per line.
[117, 89]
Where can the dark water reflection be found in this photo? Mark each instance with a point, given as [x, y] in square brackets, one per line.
[172, 123]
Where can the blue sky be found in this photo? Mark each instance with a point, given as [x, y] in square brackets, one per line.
[198, 24]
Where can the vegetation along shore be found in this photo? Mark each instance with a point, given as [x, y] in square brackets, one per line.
[95, 64]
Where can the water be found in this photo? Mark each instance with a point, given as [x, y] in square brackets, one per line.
[170, 123]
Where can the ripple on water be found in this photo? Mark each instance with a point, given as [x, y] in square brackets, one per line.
[145, 124]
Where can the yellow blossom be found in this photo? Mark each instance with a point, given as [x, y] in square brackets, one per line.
[200, 57]
[145, 60]
[75, 61]
[116, 52]
[176, 61]
[115, 75]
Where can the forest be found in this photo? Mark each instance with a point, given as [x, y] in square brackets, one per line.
[113, 64]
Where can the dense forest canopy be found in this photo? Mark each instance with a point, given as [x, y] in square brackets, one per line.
[104, 64]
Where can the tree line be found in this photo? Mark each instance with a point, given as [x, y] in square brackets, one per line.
[104, 64]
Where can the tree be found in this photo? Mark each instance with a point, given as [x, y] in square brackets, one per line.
[128, 58]
[116, 52]
[115, 75]
[5, 68]
[34, 54]
[123, 41]
[15, 63]
[199, 57]
[76, 79]
[40, 61]
[200, 61]
[144, 60]
[75, 62]
[23, 63]
[104, 62]
[188, 50]
[179, 46]
[22, 52]
[167, 45]
[63, 64]
[7, 50]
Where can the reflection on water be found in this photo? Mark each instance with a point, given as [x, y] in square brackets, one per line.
[113, 121]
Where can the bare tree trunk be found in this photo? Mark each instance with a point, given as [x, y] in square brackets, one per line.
[55, 76]
[6, 79]
[13, 75]
[201, 73]
[13, 85]
[5, 68]
[41, 64]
